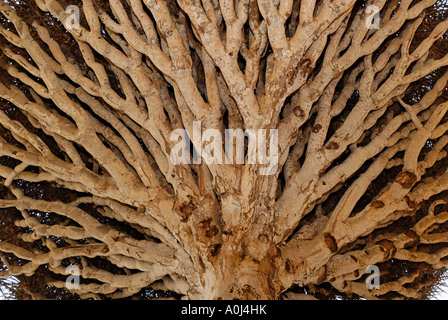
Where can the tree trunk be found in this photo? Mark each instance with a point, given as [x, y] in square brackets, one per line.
[244, 270]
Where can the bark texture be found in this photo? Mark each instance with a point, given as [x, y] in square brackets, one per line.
[87, 111]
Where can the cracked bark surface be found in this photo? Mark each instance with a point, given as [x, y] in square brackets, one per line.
[86, 116]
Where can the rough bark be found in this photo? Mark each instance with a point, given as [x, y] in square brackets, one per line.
[362, 127]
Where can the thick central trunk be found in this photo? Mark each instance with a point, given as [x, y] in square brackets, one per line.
[244, 261]
[241, 274]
